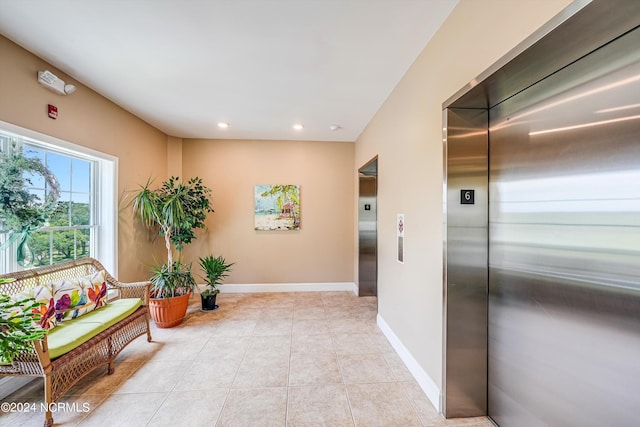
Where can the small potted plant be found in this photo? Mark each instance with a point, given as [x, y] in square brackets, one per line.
[18, 326]
[215, 270]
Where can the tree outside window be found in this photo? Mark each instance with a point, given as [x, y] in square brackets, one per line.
[55, 204]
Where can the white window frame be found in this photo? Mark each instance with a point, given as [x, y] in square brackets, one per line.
[105, 189]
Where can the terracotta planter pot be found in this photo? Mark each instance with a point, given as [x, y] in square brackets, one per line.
[168, 312]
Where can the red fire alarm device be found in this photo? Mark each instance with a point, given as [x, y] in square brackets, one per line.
[53, 111]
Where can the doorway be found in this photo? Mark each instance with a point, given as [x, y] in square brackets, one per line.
[368, 229]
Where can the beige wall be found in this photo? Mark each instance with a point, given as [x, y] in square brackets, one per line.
[320, 252]
[85, 118]
[406, 134]
[174, 156]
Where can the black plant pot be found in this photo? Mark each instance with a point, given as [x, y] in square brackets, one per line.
[208, 302]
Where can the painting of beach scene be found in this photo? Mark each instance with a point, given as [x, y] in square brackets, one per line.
[277, 207]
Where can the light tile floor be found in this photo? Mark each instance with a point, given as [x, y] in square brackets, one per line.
[267, 359]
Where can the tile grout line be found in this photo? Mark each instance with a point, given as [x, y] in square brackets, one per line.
[226, 398]
[286, 404]
[344, 384]
[175, 385]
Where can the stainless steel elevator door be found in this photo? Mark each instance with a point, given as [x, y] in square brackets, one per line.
[564, 246]
[368, 230]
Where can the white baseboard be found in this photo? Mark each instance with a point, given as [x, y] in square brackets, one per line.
[287, 287]
[427, 385]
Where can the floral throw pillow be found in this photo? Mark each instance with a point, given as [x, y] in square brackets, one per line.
[75, 297]
[43, 295]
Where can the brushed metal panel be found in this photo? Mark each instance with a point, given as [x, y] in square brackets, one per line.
[578, 30]
[465, 304]
[564, 245]
[368, 231]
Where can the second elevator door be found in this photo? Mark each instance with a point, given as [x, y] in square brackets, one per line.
[368, 229]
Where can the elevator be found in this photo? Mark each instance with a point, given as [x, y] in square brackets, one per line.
[368, 229]
[542, 212]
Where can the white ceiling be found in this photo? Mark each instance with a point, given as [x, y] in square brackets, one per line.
[260, 65]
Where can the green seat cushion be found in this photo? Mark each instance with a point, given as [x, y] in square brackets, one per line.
[115, 311]
[72, 333]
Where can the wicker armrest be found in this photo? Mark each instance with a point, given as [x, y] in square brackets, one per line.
[133, 290]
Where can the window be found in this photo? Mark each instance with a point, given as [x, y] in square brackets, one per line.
[83, 220]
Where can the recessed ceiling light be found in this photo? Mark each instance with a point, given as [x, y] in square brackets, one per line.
[335, 127]
[298, 126]
[223, 125]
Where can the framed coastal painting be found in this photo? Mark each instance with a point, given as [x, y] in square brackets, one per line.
[277, 207]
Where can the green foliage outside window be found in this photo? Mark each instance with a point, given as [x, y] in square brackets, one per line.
[64, 245]
[22, 211]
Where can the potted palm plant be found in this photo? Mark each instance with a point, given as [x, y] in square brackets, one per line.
[215, 270]
[176, 210]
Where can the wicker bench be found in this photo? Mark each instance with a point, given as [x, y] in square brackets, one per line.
[62, 372]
